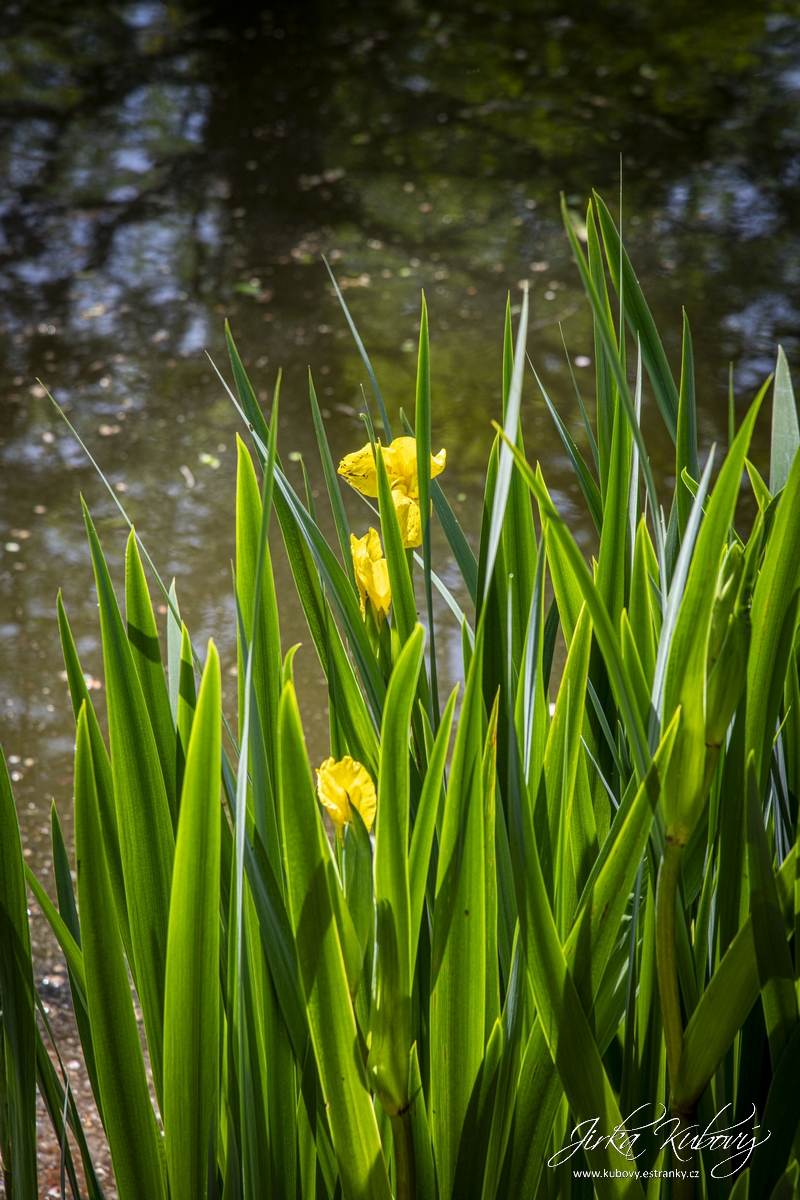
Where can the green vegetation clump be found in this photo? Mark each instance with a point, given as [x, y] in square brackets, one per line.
[551, 948]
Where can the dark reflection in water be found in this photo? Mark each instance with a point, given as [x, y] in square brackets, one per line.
[164, 167]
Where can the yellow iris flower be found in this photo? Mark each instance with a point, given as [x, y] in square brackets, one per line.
[372, 574]
[400, 460]
[345, 785]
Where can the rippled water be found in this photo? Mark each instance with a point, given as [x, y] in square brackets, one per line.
[163, 168]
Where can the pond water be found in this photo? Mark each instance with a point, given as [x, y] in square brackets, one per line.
[165, 167]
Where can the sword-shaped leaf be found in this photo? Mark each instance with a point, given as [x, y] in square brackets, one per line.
[143, 816]
[772, 622]
[390, 1016]
[331, 1019]
[785, 428]
[458, 967]
[129, 1120]
[640, 319]
[191, 1005]
[79, 694]
[731, 993]
[686, 440]
[604, 631]
[332, 484]
[684, 683]
[143, 638]
[425, 822]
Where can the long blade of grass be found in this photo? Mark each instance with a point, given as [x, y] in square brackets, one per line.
[70, 948]
[604, 380]
[670, 614]
[390, 1016]
[532, 688]
[686, 440]
[352, 711]
[422, 425]
[778, 994]
[340, 592]
[277, 941]
[684, 679]
[362, 351]
[79, 694]
[605, 332]
[490, 820]
[128, 1115]
[514, 1032]
[590, 490]
[301, 545]
[425, 1171]
[332, 484]
[478, 1123]
[587, 951]
[603, 629]
[267, 650]
[589, 431]
[191, 1002]
[462, 551]
[633, 486]
[560, 767]
[60, 1100]
[780, 1117]
[639, 319]
[254, 415]
[330, 1014]
[425, 822]
[614, 539]
[785, 427]
[772, 624]
[145, 826]
[519, 537]
[167, 593]
[143, 638]
[731, 993]
[68, 910]
[506, 465]
[239, 970]
[174, 642]
[458, 969]
[187, 703]
[564, 1021]
[640, 609]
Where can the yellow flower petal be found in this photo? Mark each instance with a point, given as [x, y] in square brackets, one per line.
[401, 466]
[332, 794]
[345, 783]
[410, 519]
[359, 471]
[372, 573]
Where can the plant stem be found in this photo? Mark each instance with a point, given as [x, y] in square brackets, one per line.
[667, 964]
[404, 1155]
[666, 955]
